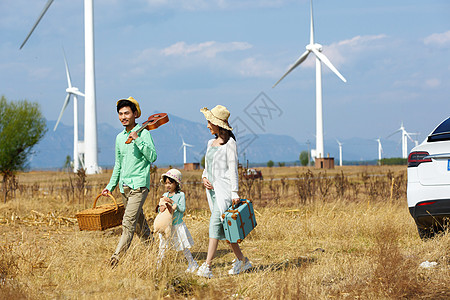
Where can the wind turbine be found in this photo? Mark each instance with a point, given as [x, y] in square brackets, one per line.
[90, 114]
[340, 152]
[380, 150]
[184, 145]
[416, 141]
[405, 137]
[320, 58]
[72, 91]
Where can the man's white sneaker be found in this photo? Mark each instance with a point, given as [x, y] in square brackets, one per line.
[240, 266]
[205, 271]
[192, 267]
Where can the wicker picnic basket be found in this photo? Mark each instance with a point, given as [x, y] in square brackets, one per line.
[101, 217]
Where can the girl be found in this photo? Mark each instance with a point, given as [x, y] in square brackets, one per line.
[181, 239]
[220, 179]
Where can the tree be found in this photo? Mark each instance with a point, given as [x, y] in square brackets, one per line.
[304, 158]
[394, 161]
[202, 162]
[21, 127]
[270, 163]
[67, 164]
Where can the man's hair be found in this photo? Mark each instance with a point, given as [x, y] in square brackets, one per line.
[125, 103]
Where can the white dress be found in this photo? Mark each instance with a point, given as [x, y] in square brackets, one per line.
[223, 175]
[181, 238]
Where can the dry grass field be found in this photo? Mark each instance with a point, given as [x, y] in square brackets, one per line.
[341, 234]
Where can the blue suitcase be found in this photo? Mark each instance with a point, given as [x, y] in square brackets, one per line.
[239, 221]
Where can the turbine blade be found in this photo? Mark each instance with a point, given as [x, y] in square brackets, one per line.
[311, 35]
[78, 93]
[69, 81]
[393, 133]
[66, 102]
[410, 138]
[295, 65]
[328, 63]
[187, 145]
[47, 5]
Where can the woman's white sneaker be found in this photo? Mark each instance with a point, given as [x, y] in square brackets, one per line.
[240, 266]
[205, 271]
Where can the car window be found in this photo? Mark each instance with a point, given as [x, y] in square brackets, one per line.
[441, 133]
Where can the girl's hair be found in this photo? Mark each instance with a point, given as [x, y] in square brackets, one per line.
[177, 188]
[225, 134]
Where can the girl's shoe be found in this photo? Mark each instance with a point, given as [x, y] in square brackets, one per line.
[240, 266]
[192, 267]
[205, 271]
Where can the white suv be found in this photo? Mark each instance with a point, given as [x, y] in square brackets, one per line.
[429, 182]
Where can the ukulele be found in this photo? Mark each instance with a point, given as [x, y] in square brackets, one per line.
[153, 122]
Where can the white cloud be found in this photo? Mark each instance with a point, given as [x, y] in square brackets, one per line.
[193, 5]
[340, 52]
[416, 80]
[362, 40]
[432, 82]
[183, 56]
[40, 73]
[438, 39]
[344, 50]
[252, 67]
[207, 49]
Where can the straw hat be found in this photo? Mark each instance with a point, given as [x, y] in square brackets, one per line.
[218, 116]
[174, 174]
[132, 100]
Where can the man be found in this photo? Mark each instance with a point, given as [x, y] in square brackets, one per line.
[132, 174]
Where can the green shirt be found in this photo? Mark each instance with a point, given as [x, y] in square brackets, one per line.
[180, 199]
[132, 166]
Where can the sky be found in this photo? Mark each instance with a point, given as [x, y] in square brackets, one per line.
[179, 56]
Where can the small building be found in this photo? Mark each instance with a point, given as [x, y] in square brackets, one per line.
[324, 163]
[191, 166]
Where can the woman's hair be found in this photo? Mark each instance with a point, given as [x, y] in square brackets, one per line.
[177, 188]
[225, 134]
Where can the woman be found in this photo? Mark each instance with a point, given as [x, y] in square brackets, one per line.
[220, 179]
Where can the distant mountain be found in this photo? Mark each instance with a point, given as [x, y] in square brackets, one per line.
[51, 152]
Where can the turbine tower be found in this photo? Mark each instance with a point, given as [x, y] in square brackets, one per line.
[72, 91]
[320, 58]
[340, 152]
[405, 137]
[380, 150]
[184, 145]
[90, 112]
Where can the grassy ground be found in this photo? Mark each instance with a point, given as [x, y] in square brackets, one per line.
[320, 235]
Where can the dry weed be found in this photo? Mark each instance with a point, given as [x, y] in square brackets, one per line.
[360, 242]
